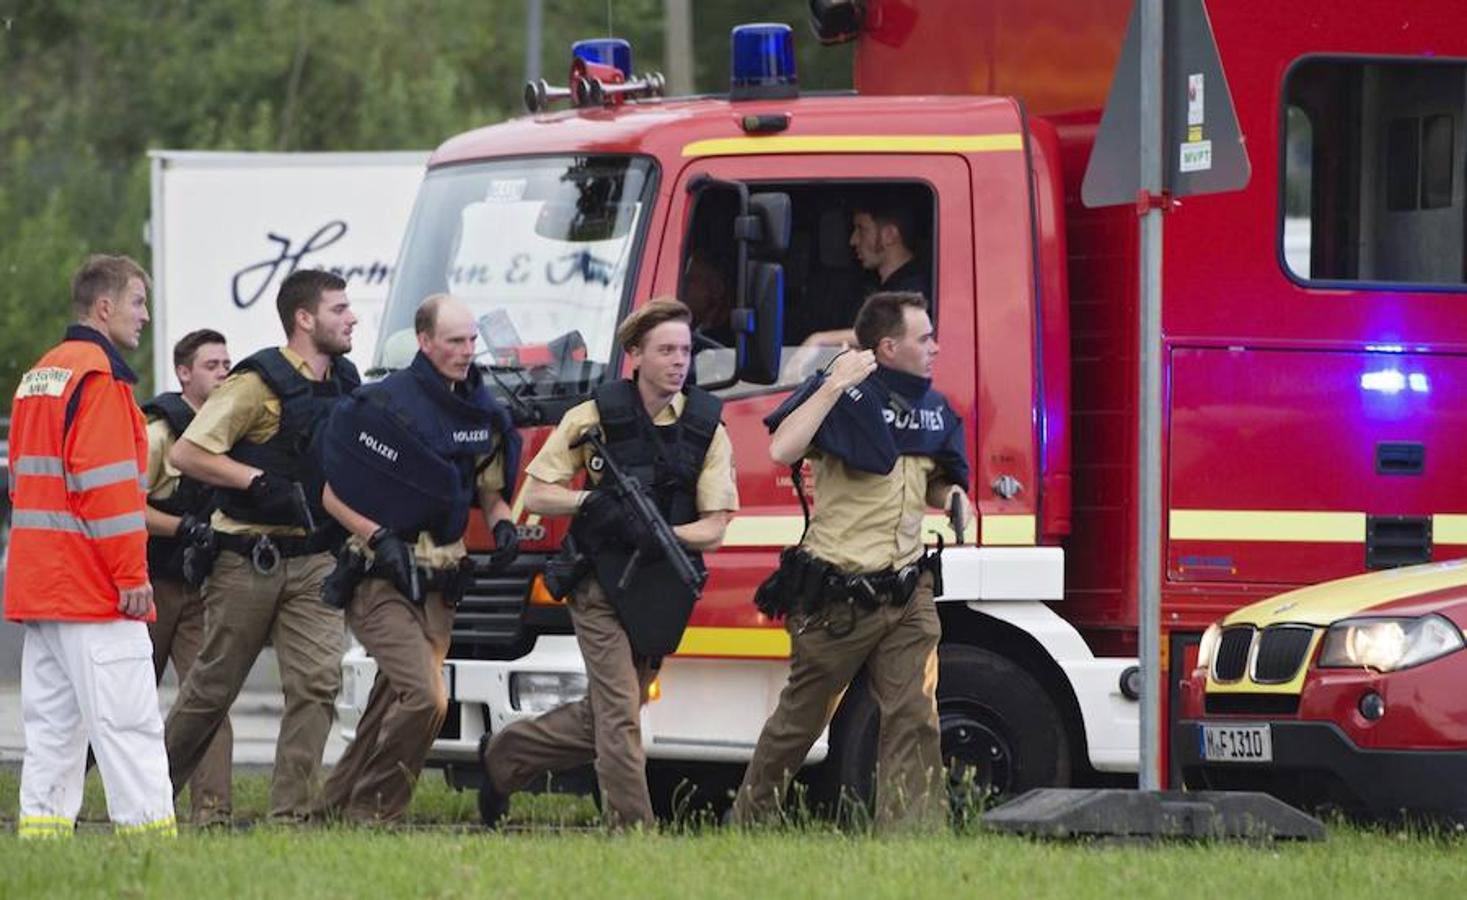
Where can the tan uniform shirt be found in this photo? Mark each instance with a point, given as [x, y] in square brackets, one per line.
[162, 476]
[867, 523]
[557, 463]
[243, 408]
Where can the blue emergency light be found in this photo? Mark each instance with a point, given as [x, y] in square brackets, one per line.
[763, 62]
[607, 52]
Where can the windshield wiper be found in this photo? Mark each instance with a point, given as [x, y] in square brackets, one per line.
[523, 413]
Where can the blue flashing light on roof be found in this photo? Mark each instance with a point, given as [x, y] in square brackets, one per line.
[763, 62]
[607, 52]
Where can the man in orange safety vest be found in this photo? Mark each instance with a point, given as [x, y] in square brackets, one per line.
[78, 574]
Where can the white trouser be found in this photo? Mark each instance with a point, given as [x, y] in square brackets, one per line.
[92, 682]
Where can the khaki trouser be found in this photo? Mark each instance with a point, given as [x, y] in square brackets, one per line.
[242, 609]
[374, 780]
[604, 726]
[898, 646]
[178, 634]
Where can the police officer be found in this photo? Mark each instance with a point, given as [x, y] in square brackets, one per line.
[256, 440]
[669, 434]
[178, 515]
[403, 460]
[78, 574]
[884, 446]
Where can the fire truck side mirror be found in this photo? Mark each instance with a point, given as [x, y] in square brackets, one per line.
[759, 324]
[775, 220]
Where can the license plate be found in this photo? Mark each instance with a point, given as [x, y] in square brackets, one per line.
[1237, 743]
[449, 687]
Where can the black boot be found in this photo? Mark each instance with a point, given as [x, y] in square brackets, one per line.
[492, 804]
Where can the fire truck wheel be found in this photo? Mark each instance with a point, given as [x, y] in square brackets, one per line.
[1001, 733]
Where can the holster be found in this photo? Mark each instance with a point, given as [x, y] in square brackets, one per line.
[337, 589]
[198, 560]
[801, 583]
[565, 569]
[451, 583]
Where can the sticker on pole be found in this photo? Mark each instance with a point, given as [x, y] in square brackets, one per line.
[1196, 156]
[1196, 111]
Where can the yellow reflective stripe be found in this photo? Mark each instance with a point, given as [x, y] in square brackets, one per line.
[1008, 530]
[766, 643]
[1449, 528]
[167, 827]
[934, 525]
[856, 143]
[44, 827]
[763, 531]
[782, 531]
[1267, 525]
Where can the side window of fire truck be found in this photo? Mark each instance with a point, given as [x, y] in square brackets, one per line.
[825, 282]
[1372, 188]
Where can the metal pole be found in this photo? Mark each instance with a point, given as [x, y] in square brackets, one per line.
[1149, 356]
[678, 28]
[534, 29]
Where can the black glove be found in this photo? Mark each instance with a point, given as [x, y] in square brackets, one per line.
[395, 560]
[506, 545]
[193, 530]
[273, 496]
[601, 519]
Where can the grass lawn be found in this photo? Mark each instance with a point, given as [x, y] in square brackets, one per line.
[542, 861]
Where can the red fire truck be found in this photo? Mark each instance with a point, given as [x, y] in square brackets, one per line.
[1315, 333]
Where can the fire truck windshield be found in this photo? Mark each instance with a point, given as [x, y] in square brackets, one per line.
[543, 250]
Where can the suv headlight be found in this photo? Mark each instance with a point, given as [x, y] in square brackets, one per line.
[1208, 648]
[1388, 644]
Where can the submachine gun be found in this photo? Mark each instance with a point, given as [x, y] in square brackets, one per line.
[628, 489]
[653, 589]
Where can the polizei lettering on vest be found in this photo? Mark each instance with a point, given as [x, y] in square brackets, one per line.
[466, 437]
[916, 420]
[376, 446]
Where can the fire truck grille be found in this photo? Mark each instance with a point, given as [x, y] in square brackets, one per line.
[1281, 651]
[489, 621]
[1232, 653]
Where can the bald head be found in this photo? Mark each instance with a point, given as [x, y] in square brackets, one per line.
[446, 334]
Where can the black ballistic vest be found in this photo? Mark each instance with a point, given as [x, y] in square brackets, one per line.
[667, 460]
[165, 554]
[293, 453]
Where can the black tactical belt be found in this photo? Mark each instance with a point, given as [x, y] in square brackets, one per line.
[451, 582]
[265, 551]
[285, 545]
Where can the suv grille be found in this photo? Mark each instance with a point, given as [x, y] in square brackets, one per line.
[489, 622]
[1281, 650]
[1232, 654]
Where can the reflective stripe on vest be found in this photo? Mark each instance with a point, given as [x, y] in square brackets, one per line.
[100, 476]
[96, 529]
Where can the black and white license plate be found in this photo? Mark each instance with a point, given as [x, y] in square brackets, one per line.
[1237, 743]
